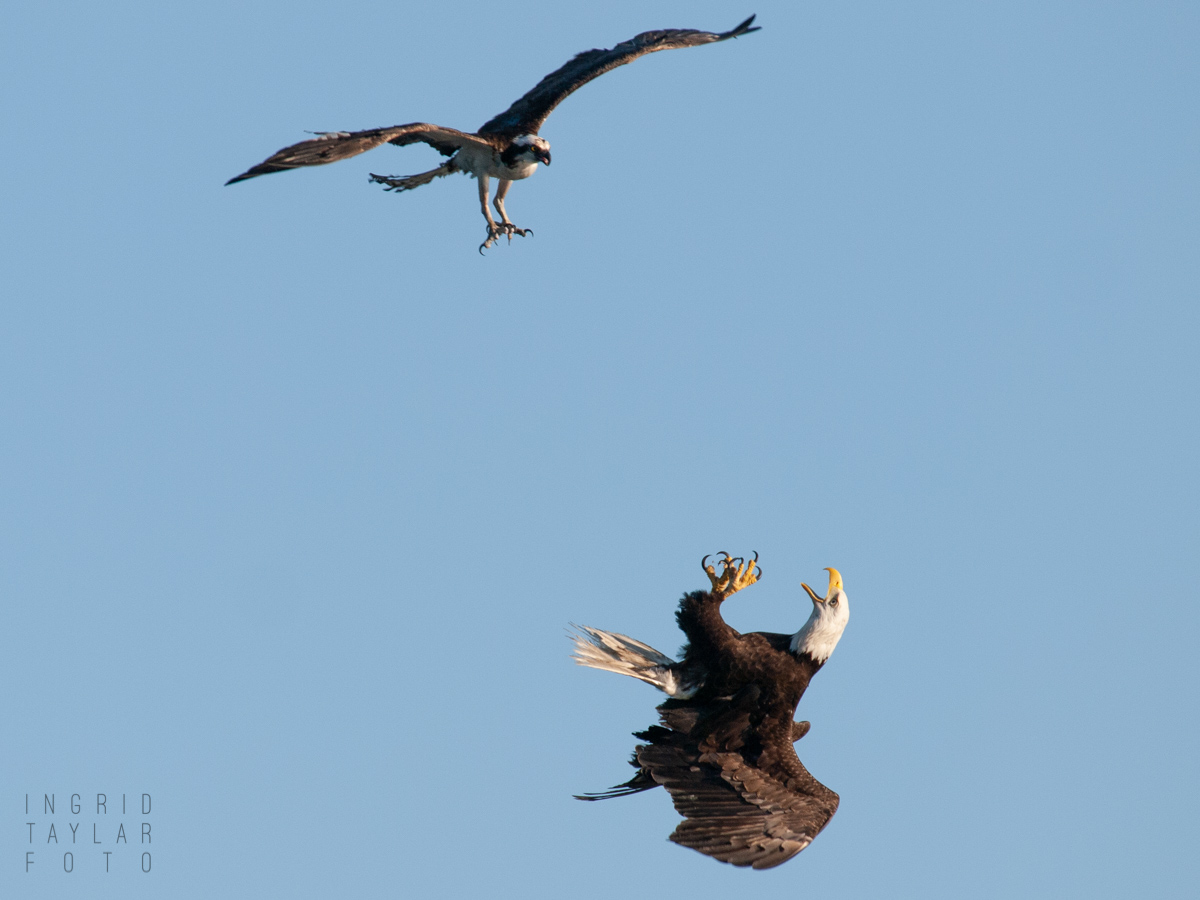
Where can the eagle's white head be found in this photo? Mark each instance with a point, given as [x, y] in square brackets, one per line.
[533, 147]
[824, 627]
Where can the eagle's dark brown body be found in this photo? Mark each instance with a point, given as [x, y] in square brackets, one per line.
[733, 660]
[725, 749]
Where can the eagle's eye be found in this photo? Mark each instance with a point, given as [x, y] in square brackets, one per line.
[833, 601]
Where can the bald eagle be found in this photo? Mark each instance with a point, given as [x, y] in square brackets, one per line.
[507, 146]
[723, 747]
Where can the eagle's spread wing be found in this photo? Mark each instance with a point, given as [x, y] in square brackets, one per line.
[527, 114]
[745, 799]
[331, 146]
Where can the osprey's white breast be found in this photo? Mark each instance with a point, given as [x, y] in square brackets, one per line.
[480, 161]
[523, 169]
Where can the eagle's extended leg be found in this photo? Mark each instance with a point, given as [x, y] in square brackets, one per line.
[506, 223]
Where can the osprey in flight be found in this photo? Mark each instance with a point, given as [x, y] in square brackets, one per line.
[724, 748]
[507, 147]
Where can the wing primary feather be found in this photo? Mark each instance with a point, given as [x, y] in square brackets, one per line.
[529, 112]
[331, 146]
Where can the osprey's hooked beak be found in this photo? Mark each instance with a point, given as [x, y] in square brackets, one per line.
[544, 156]
[835, 583]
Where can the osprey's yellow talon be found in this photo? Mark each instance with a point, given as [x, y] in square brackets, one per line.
[736, 573]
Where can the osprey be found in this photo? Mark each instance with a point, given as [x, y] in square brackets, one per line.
[507, 147]
[724, 748]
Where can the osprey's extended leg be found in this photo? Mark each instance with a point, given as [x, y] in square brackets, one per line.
[506, 223]
[493, 231]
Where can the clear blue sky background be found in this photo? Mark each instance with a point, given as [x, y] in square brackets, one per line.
[300, 492]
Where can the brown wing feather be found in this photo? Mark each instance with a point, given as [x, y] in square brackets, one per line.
[331, 146]
[527, 114]
[745, 797]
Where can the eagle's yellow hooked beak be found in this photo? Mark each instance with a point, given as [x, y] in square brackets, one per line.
[835, 583]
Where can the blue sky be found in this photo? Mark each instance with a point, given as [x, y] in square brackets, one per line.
[301, 491]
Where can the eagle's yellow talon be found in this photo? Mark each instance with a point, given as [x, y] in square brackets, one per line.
[735, 573]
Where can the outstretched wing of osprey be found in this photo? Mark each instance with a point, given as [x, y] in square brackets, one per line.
[527, 114]
[330, 146]
[745, 797]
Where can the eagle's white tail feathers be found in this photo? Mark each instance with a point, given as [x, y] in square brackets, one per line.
[622, 654]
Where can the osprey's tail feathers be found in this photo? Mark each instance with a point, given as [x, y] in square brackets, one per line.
[620, 653]
[408, 182]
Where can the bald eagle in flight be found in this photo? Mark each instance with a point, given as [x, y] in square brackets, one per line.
[724, 746]
[507, 147]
